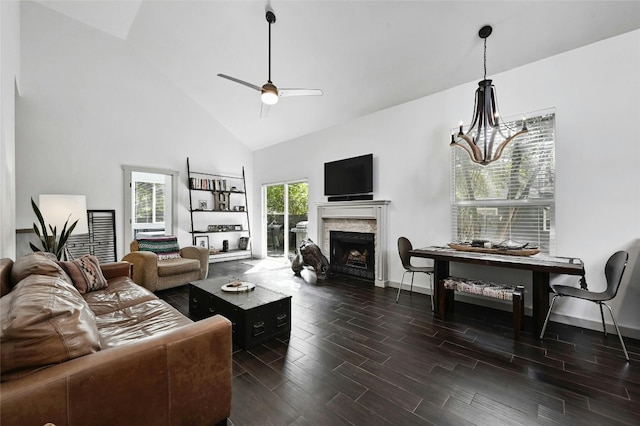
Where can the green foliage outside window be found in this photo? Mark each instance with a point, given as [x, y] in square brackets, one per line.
[298, 196]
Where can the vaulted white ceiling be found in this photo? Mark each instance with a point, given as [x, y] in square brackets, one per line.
[365, 55]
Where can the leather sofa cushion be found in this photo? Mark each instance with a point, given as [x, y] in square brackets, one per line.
[121, 293]
[170, 267]
[38, 263]
[135, 322]
[47, 322]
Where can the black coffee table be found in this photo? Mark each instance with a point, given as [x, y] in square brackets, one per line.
[257, 316]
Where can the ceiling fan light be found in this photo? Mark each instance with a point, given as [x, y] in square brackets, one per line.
[269, 94]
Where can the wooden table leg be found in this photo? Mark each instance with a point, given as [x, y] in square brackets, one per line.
[440, 272]
[540, 300]
[518, 311]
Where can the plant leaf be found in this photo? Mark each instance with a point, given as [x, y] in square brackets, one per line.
[36, 210]
[64, 235]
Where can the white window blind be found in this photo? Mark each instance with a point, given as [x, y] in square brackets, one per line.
[149, 202]
[512, 199]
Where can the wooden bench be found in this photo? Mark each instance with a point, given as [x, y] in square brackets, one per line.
[448, 287]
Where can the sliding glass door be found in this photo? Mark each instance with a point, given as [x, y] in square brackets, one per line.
[285, 220]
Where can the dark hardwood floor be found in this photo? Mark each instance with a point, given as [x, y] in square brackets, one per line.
[356, 357]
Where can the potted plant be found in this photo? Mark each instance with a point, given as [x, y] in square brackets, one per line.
[51, 242]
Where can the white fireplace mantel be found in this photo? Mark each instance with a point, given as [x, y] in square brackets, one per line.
[359, 210]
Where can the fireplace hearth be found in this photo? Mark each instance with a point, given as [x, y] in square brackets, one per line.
[352, 253]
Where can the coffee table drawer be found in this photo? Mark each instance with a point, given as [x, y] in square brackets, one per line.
[201, 303]
[259, 324]
[266, 323]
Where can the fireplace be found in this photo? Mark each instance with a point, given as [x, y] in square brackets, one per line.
[368, 216]
[352, 253]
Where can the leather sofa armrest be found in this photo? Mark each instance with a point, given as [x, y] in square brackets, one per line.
[180, 377]
[5, 275]
[145, 268]
[199, 253]
[112, 270]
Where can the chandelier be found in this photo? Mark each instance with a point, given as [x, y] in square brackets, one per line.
[485, 127]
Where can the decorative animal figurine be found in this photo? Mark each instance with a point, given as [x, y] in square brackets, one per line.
[309, 254]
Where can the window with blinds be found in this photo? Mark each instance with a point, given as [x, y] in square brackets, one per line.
[512, 199]
[149, 207]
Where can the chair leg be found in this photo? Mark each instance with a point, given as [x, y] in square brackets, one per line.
[544, 327]
[400, 286]
[604, 327]
[413, 274]
[624, 348]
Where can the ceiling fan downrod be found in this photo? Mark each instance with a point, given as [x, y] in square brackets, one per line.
[271, 18]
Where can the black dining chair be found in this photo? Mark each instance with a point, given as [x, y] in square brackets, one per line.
[613, 271]
[404, 246]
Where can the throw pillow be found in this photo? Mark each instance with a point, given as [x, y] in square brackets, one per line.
[85, 273]
[46, 321]
[163, 247]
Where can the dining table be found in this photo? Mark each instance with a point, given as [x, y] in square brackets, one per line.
[540, 265]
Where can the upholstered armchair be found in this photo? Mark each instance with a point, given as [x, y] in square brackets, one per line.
[159, 263]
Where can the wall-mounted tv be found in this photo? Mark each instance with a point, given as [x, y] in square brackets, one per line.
[349, 177]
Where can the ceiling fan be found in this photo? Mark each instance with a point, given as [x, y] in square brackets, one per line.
[269, 92]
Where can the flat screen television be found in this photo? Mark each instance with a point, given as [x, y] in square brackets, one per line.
[348, 177]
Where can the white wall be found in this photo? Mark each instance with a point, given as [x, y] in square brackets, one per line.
[595, 91]
[89, 105]
[9, 71]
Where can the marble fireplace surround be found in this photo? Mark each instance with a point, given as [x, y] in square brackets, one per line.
[357, 216]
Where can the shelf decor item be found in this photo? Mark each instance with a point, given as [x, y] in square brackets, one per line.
[202, 241]
[243, 243]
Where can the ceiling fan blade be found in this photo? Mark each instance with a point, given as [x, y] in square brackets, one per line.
[244, 83]
[300, 92]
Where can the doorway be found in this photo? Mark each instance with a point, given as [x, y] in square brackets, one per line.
[285, 219]
[150, 202]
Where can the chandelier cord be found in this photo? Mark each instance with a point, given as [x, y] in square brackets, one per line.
[485, 58]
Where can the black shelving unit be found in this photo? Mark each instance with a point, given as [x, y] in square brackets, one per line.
[220, 212]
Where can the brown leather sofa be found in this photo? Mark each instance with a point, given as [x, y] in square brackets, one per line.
[156, 274]
[109, 356]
